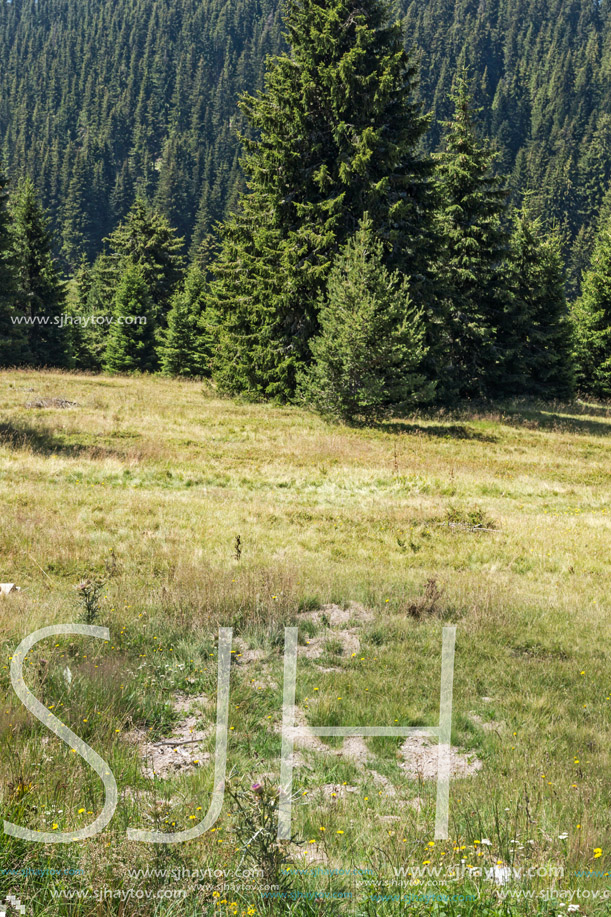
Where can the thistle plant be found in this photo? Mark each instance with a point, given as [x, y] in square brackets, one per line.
[255, 807]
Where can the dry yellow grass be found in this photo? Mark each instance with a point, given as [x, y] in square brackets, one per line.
[166, 475]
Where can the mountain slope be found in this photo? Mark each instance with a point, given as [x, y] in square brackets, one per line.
[101, 99]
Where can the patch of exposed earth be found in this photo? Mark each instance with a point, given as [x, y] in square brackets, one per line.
[245, 655]
[302, 735]
[387, 788]
[335, 616]
[51, 403]
[309, 853]
[335, 791]
[341, 626]
[179, 752]
[355, 749]
[420, 758]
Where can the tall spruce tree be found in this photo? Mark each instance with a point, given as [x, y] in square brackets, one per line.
[13, 344]
[88, 342]
[544, 356]
[592, 322]
[337, 135]
[186, 343]
[146, 238]
[41, 292]
[91, 303]
[474, 265]
[131, 342]
[368, 355]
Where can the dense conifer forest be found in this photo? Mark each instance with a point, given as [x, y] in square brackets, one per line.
[103, 99]
[234, 172]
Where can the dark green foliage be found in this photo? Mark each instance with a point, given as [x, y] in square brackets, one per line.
[337, 135]
[131, 338]
[371, 343]
[473, 266]
[88, 315]
[13, 344]
[79, 215]
[544, 356]
[539, 76]
[141, 133]
[146, 238]
[41, 293]
[592, 320]
[101, 100]
[186, 344]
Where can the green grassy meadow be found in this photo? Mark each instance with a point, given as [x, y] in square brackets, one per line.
[196, 513]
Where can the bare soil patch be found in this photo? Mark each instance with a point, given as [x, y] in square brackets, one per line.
[420, 757]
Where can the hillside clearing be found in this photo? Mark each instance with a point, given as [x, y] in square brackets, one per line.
[496, 522]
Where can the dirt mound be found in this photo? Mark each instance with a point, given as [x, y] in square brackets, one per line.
[421, 756]
[335, 791]
[335, 616]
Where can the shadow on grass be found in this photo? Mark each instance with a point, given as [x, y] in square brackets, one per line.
[437, 430]
[38, 439]
[464, 421]
[591, 410]
[592, 420]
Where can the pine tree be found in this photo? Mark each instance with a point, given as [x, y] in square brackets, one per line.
[77, 212]
[186, 346]
[131, 338]
[474, 263]
[338, 134]
[146, 238]
[92, 303]
[41, 292]
[13, 344]
[87, 336]
[592, 322]
[371, 343]
[174, 191]
[544, 357]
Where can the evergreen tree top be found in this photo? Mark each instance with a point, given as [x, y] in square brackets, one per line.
[596, 296]
[336, 133]
[466, 160]
[337, 125]
[146, 238]
[31, 226]
[144, 233]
